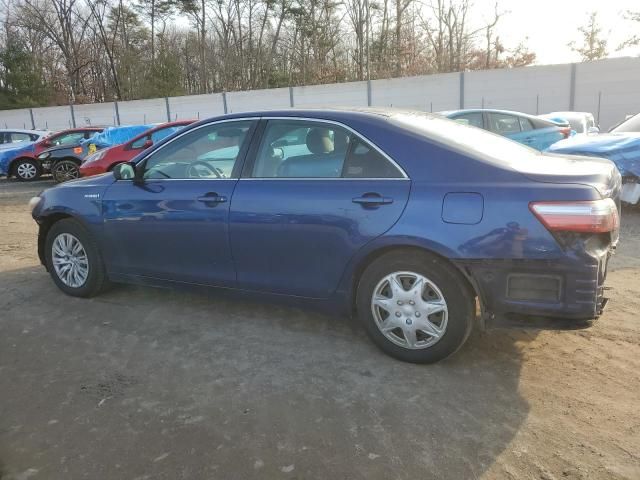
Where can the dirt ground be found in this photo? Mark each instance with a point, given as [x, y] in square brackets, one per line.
[151, 384]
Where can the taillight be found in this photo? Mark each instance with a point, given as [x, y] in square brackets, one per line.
[597, 216]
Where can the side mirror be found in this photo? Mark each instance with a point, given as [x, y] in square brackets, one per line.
[46, 143]
[593, 130]
[124, 171]
[147, 143]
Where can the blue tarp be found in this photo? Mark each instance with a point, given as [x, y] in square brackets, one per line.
[116, 135]
[623, 149]
[10, 153]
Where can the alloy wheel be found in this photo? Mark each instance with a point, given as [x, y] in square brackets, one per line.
[64, 171]
[70, 260]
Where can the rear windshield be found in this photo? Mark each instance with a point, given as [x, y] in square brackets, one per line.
[631, 125]
[469, 140]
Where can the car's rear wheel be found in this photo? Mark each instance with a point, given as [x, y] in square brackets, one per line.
[26, 170]
[415, 306]
[65, 170]
[74, 260]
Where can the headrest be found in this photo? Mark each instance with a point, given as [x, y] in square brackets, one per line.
[319, 141]
[340, 142]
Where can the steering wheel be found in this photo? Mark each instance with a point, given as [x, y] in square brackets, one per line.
[193, 172]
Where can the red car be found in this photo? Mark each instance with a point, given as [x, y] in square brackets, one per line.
[104, 160]
[27, 167]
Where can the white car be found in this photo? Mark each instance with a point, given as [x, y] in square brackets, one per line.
[580, 122]
[16, 137]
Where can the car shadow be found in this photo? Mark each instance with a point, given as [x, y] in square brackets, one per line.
[142, 381]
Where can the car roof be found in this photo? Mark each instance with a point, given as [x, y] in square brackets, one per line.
[486, 110]
[22, 130]
[350, 116]
[567, 114]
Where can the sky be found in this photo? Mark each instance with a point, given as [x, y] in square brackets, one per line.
[551, 24]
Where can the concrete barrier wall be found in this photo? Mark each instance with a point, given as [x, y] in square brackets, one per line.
[152, 110]
[614, 84]
[431, 93]
[15, 119]
[338, 94]
[607, 88]
[272, 99]
[96, 114]
[196, 106]
[535, 90]
[52, 118]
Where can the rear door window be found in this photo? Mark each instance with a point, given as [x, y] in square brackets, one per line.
[525, 124]
[307, 149]
[19, 137]
[503, 123]
[473, 119]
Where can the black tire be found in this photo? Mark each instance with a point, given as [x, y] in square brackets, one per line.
[65, 170]
[451, 284]
[26, 169]
[96, 280]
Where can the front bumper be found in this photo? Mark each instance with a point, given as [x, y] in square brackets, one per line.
[572, 290]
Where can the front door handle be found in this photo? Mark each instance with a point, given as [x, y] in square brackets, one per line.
[212, 197]
[372, 200]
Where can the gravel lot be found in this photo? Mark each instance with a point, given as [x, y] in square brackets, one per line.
[143, 383]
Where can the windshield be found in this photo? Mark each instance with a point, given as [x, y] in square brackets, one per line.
[630, 125]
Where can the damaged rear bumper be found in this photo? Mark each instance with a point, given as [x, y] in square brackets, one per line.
[541, 292]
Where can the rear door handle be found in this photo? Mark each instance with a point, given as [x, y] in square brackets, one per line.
[212, 197]
[372, 200]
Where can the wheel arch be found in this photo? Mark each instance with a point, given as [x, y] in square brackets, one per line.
[46, 222]
[14, 162]
[75, 160]
[362, 263]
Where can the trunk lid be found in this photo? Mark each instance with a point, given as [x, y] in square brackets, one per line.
[599, 173]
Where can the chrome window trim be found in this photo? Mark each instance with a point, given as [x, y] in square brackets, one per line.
[346, 127]
[313, 179]
[293, 118]
[226, 120]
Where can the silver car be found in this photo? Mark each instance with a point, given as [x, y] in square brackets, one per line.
[16, 137]
[580, 122]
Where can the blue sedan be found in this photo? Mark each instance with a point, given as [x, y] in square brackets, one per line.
[407, 220]
[535, 132]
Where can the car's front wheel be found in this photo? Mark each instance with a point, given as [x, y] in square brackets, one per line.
[415, 306]
[65, 170]
[74, 260]
[27, 170]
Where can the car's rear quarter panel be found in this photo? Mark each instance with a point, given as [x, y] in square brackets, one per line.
[508, 239]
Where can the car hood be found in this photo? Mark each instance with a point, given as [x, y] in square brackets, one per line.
[621, 148]
[57, 148]
[95, 181]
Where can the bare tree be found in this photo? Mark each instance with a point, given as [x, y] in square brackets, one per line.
[593, 46]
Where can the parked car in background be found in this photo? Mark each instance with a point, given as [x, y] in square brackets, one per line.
[26, 166]
[621, 148]
[15, 137]
[63, 161]
[104, 160]
[404, 218]
[580, 122]
[630, 125]
[529, 130]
